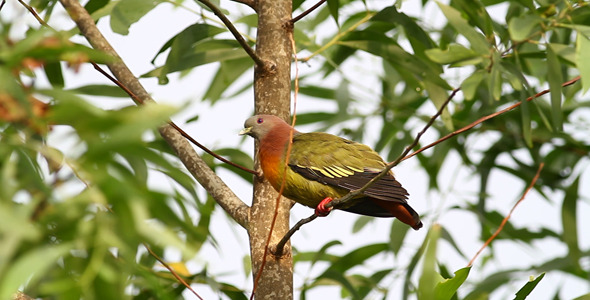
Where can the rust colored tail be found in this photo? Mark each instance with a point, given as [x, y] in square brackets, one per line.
[403, 212]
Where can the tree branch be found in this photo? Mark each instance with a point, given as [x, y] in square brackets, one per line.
[236, 208]
[230, 26]
[307, 12]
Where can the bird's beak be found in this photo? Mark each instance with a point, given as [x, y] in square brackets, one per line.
[246, 130]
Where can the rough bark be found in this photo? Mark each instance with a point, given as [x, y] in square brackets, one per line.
[236, 208]
[272, 89]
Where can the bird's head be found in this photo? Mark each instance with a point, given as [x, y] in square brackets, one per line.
[259, 126]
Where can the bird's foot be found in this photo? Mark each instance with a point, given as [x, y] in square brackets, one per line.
[321, 210]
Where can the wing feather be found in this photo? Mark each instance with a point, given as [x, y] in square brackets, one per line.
[338, 162]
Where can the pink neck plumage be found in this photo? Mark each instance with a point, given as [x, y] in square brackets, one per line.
[272, 151]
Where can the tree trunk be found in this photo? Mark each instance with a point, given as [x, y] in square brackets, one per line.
[272, 90]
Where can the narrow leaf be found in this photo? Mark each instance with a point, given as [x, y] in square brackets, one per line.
[477, 40]
[101, 90]
[520, 28]
[583, 59]
[569, 221]
[127, 12]
[438, 95]
[228, 72]
[525, 114]
[29, 267]
[454, 54]
[469, 86]
[397, 235]
[528, 288]
[360, 223]
[429, 277]
[54, 73]
[334, 5]
[445, 290]
[555, 78]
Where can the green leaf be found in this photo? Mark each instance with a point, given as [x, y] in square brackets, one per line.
[310, 118]
[354, 258]
[94, 5]
[438, 95]
[495, 78]
[360, 223]
[470, 84]
[321, 253]
[29, 267]
[397, 235]
[445, 289]
[228, 72]
[410, 67]
[525, 113]
[521, 28]
[528, 287]
[583, 59]
[569, 222]
[334, 5]
[477, 14]
[429, 278]
[555, 78]
[456, 54]
[238, 157]
[417, 36]
[206, 52]
[54, 73]
[188, 37]
[101, 90]
[583, 297]
[477, 40]
[317, 91]
[127, 12]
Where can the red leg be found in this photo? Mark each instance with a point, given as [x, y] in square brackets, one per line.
[321, 210]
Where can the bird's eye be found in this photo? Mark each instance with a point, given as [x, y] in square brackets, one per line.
[260, 120]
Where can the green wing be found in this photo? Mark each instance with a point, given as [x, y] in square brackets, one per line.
[338, 162]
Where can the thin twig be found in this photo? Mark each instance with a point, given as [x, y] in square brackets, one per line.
[281, 244]
[2, 5]
[259, 62]
[481, 120]
[34, 13]
[152, 253]
[505, 220]
[307, 12]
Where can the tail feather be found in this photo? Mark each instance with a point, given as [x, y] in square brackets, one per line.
[402, 211]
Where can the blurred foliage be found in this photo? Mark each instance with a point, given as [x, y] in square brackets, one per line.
[80, 193]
